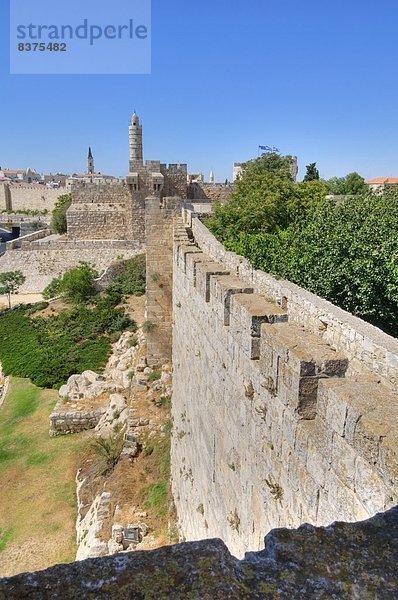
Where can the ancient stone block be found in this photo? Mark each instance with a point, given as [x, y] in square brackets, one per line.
[204, 271]
[222, 287]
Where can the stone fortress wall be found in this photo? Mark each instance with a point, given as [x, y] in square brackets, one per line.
[41, 262]
[100, 212]
[284, 406]
[18, 196]
[212, 192]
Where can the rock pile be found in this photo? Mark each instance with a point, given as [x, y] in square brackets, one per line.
[86, 386]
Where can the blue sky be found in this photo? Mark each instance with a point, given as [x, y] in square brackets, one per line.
[316, 79]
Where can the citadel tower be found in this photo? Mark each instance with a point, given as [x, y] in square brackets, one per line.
[135, 143]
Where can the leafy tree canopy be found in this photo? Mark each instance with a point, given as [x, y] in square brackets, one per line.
[266, 199]
[312, 172]
[77, 285]
[350, 185]
[346, 252]
[10, 282]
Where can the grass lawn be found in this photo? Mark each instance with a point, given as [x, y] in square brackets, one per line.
[37, 483]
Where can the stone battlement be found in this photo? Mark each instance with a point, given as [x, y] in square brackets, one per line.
[280, 416]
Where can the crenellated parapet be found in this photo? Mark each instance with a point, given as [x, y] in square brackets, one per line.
[280, 416]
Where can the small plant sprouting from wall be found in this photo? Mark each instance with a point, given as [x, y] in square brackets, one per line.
[155, 375]
[164, 401]
[234, 520]
[249, 391]
[262, 411]
[201, 509]
[149, 326]
[133, 341]
[232, 466]
[275, 489]
[269, 385]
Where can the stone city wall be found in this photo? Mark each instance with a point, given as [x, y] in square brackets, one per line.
[175, 183]
[213, 192]
[16, 196]
[41, 262]
[366, 346]
[93, 193]
[279, 414]
[25, 240]
[73, 421]
[159, 253]
[97, 222]
[113, 211]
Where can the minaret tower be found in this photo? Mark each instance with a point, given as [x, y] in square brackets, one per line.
[135, 143]
[90, 163]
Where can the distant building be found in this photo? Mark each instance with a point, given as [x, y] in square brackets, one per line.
[379, 183]
[237, 171]
[90, 176]
[195, 178]
[20, 176]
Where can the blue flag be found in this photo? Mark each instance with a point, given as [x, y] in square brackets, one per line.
[266, 148]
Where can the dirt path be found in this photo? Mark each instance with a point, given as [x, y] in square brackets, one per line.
[20, 299]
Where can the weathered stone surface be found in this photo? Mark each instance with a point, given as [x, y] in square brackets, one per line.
[243, 387]
[116, 414]
[342, 561]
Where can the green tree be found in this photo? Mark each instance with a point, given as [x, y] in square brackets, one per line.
[350, 185]
[77, 285]
[58, 219]
[130, 278]
[336, 186]
[355, 184]
[10, 283]
[266, 200]
[312, 172]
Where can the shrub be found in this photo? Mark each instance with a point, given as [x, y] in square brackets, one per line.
[148, 326]
[58, 218]
[131, 278]
[77, 284]
[108, 451]
[154, 376]
[53, 289]
[49, 350]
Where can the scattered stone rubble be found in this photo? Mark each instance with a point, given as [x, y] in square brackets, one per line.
[101, 402]
[71, 414]
[90, 523]
[119, 416]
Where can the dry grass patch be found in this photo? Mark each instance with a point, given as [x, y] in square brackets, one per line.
[37, 482]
